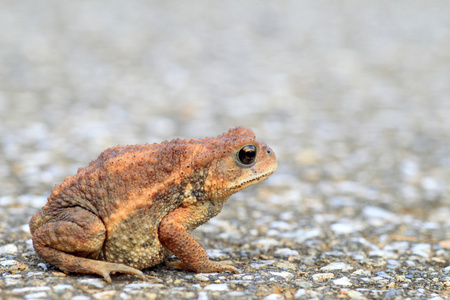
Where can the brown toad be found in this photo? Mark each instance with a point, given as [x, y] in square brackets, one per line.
[135, 206]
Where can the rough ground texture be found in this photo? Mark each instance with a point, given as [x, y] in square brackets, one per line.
[352, 96]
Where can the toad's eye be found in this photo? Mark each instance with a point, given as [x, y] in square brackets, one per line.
[247, 155]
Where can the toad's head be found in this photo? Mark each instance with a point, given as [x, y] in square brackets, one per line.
[235, 161]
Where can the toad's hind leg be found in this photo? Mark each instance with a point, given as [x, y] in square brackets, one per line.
[78, 234]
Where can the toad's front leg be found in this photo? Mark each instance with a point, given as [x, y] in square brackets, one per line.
[173, 234]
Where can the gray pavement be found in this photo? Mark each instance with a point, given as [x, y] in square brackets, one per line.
[353, 96]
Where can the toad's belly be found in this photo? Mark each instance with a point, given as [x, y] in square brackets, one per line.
[135, 243]
[138, 254]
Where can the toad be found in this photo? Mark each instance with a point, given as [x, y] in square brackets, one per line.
[135, 206]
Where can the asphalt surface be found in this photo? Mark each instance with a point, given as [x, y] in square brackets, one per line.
[353, 97]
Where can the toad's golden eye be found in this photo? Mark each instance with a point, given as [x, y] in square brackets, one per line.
[247, 155]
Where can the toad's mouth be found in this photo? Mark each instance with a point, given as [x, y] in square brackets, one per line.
[242, 185]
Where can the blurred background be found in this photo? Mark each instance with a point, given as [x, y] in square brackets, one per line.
[353, 96]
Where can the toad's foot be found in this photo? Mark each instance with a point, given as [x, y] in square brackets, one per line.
[70, 263]
[210, 267]
[104, 269]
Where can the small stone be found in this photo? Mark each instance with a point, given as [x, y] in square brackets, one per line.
[355, 295]
[273, 297]
[261, 264]
[337, 266]
[410, 263]
[16, 276]
[285, 252]
[217, 287]
[300, 235]
[392, 294]
[8, 249]
[201, 277]
[374, 212]
[33, 289]
[286, 265]
[124, 296]
[430, 225]
[31, 274]
[365, 243]
[299, 293]
[9, 263]
[286, 275]
[13, 282]
[358, 257]
[343, 228]
[344, 281]
[43, 266]
[265, 244]
[409, 168]
[216, 254]
[61, 288]
[393, 263]
[322, 276]
[341, 201]
[379, 279]
[429, 183]
[361, 272]
[6, 200]
[144, 285]
[437, 259]
[445, 244]
[25, 228]
[281, 225]
[202, 296]
[38, 295]
[105, 294]
[384, 275]
[80, 297]
[32, 200]
[307, 157]
[400, 247]
[401, 278]
[309, 261]
[303, 284]
[232, 294]
[422, 249]
[98, 283]
[383, 253]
